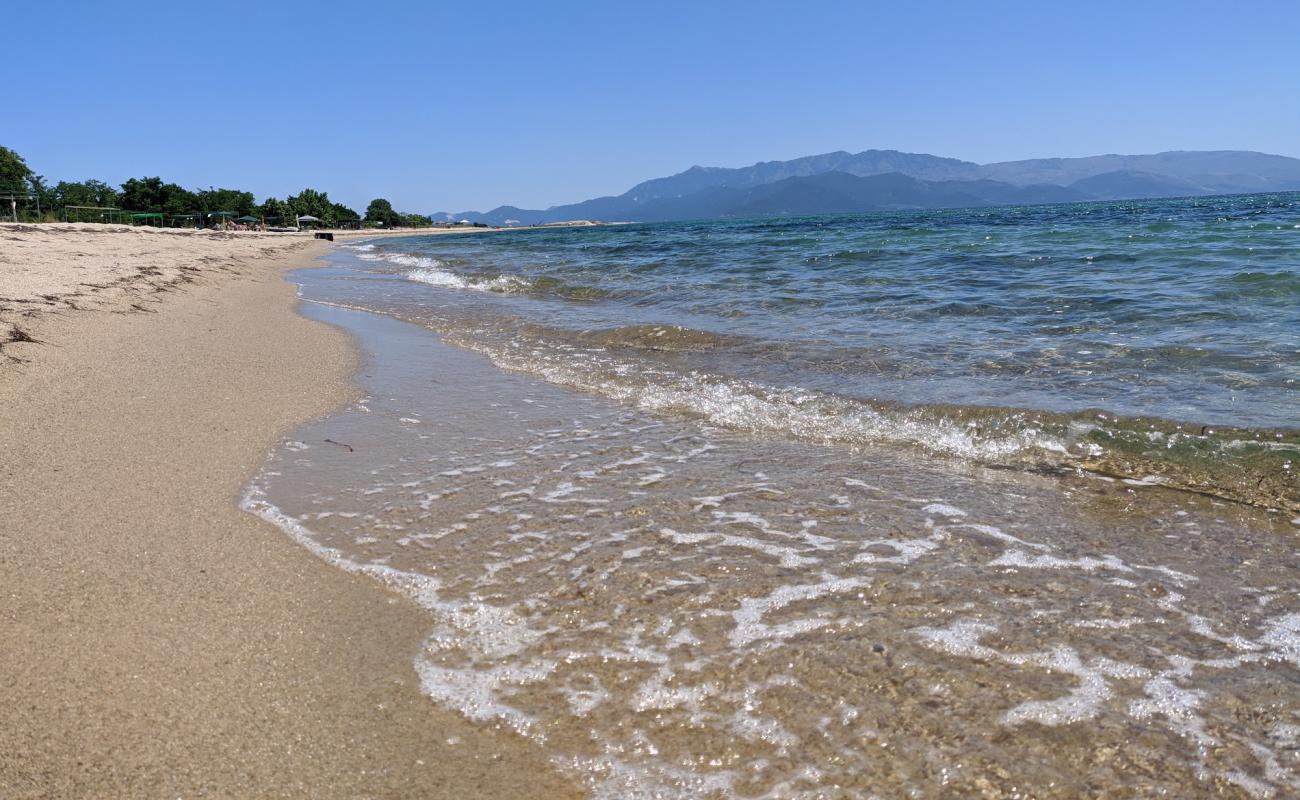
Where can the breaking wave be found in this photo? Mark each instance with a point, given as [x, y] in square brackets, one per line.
[1258, 467]
[426, 269]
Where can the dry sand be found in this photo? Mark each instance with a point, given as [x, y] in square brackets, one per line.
[155, 640]
[59, 267]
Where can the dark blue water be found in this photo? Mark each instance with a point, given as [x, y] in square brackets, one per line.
[983, 332]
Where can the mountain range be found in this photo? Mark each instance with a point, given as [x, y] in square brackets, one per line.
[876, 180]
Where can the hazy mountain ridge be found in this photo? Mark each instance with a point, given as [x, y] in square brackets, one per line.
[838, 182]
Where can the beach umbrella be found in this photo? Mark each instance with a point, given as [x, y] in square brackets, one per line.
[246, 218]
[308, 218]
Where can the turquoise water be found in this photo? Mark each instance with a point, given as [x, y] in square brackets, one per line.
[1156, 339]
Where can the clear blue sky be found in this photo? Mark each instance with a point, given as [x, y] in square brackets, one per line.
[459, 106]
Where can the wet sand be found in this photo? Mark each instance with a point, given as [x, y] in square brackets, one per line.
[156, 640]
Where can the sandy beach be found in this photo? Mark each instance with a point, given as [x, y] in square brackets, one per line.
[158, 641]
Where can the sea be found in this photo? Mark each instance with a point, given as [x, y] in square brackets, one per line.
[997, 502]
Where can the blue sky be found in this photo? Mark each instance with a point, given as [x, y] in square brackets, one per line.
[442, 106]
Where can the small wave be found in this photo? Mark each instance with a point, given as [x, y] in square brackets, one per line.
[1254, 467]
[435, 272]
[804, 414]
[365, 248]
[432, 271]
[670, 338]
[1285, 283]
[404, 260]
[433, 276]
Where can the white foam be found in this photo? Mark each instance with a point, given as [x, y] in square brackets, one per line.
[492, 632]
[746, 405]
[1081, 703]
[423, 589]
[655, 693]
[788, 556]
[1108, 624]
[962, 638]
[1018, 558]
[944, 509]
[474, 692]
[683, 638]
[748, 724]
[1177, 705]
[906, 550]
[436, 276]
[741, 518]
[749, 617]
[1283, 635]
[1001, 535]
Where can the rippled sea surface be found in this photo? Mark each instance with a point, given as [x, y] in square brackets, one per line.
[996, 503]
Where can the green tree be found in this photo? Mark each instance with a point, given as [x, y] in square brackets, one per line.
[14, 174]
[210, 200]
[142, 194]
[312, 203]
[342, 213]
[380, 212]
[275, 211]
[85, 193]
[44, 200]
[14, 171]
[151, 194]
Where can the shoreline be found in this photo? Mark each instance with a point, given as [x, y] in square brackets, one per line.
[50, 269]
[635, 632]
[159, 640]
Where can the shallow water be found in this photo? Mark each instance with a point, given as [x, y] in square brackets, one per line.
[1154, 341]
[684, 605]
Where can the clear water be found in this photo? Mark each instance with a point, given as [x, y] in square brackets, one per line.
[703, 514]
[1146, 339]
[1184, 309]
[674, 609]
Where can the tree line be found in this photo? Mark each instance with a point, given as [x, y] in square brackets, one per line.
[43, 201]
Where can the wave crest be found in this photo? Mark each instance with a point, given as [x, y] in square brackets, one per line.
[1254, 467]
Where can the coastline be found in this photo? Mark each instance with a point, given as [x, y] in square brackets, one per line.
[729, 630]
[159, 640]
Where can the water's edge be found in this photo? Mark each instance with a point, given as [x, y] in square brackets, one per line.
[533, 573]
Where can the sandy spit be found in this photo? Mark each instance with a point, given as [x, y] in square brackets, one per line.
[155, 641]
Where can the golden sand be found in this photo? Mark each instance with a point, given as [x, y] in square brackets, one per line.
[155, 640]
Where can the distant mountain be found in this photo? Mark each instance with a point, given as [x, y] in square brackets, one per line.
[1125, 183]
[1230, 170]
[868, 162]
[834, 182]
[840, 192]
